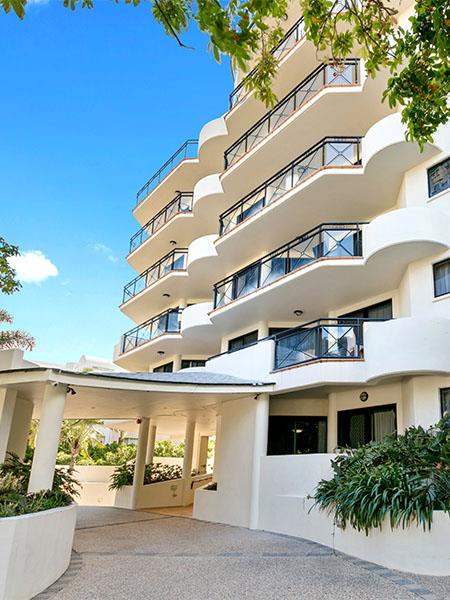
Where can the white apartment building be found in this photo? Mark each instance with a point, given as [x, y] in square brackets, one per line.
[292, 295]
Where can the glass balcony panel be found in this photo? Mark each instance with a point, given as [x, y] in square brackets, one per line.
[258, 134]
[246, 282]
[281, 113]
[338, 342]
[251, 207]
[295, 349]
[223, 293]
[339, 243]
[278, 187]
[344, 76]
[273, 268]
[339, 154]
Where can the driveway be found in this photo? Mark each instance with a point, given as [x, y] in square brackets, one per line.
[131, 555]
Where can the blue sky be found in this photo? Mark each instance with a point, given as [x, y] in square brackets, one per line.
[92, 103]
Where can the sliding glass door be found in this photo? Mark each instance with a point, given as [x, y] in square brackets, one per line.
[363, 425]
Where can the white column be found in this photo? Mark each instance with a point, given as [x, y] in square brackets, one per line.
[139, 466]
[188, 449]
[44, 460]
[259, 450]
[203, 454]
[7, 406]
[332, 423]
[217, 447]
[151, 445]
[263, 330]
[176, 363]
[20, 427]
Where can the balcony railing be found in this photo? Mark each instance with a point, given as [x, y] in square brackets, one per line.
[182, 203]
[330, 152]
[166, 322]
[322, 77]
[291, 37]
[330, 240]
[186, 150]
[174, 261]
[333, 339]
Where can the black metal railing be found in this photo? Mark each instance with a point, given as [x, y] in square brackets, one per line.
[174, 261]
[186, 150]
[182, 203]
[329, 240]
[166, 322]
[322, 77]
[333, 339]
[291, 37]
[330, 152]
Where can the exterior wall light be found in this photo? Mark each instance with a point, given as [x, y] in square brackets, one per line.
[364, 396]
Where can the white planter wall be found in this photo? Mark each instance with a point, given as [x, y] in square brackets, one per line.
[285, 508]
[35, 551]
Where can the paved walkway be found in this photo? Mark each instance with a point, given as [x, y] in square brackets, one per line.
[126, 555]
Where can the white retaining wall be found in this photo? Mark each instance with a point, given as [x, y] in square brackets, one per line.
[35, 551]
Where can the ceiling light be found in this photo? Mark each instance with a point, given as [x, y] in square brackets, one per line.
[166, 295]
[161, 352]
[173, 242]
[298, 312]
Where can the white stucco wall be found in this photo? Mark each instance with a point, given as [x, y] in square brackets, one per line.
[35, 550]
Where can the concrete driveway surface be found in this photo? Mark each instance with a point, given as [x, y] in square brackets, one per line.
[131, 555]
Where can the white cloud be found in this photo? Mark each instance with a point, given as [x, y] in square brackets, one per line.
[106, 251]
[33, 267]
[37, 2]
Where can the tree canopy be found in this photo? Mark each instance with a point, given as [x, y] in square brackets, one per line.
[416, 55]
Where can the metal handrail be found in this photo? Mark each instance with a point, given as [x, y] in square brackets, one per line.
[173, 261]
[338, 151]
[291, 37]
[328, 240]
[323, 339]
[165, 322]
[182, 153]
[323, 76]
[182, 203]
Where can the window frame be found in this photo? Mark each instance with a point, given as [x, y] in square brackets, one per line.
[442, 391]
[242, 337]
[441, 262]
[436, 165]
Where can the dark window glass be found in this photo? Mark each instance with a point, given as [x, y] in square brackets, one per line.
[166, 368]
[441, 272]
[445, 401]
[382, 310]
[189, 364]
[274, 330]
[439, 178]
[243, 340]
[297, 435]
[364, 425]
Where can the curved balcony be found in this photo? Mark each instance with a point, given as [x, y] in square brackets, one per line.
[330, 268]
[324, 339]
[330, 152]
[290, 39]
[270, 214]
[167, 322]
[321, 78]
[185, 151]
[330, 240]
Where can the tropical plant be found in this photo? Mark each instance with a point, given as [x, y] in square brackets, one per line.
[416, 54]
[403, 478]
[14, 499]
[76, 437]
[154, 473]
[169, 448]
[14, 338]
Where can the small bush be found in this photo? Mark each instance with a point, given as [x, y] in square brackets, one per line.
[154, 473]
[14, 499]
[405, 477]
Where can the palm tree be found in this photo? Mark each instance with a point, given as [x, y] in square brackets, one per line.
[14, 338]
[76, 436]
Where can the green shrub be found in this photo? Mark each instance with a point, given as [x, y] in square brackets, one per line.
[154, 473]
[169, 448]
[405, 478]
[14, 499]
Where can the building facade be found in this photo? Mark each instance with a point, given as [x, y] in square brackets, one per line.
[306, 246]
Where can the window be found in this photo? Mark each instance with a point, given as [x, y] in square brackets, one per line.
[441, 274]
[382, 310]
[189, 364]
[243, 340]
[297, 435]
[166, 368]
[445, 401]
[275, 330]
[364, 425]
[439, 178]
